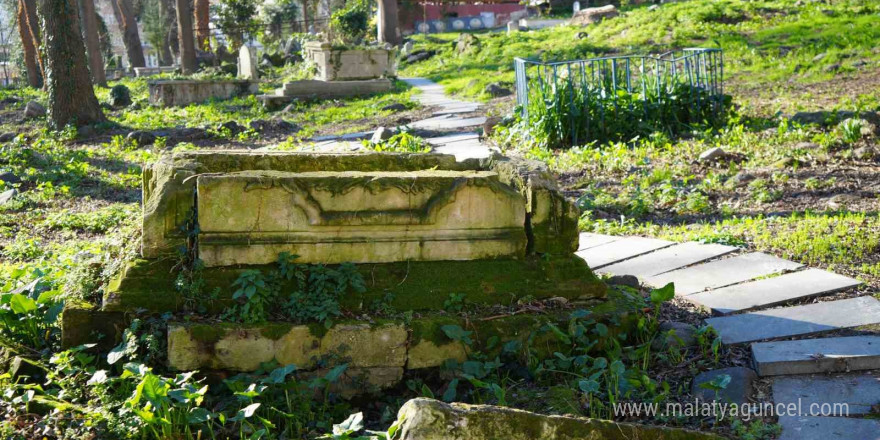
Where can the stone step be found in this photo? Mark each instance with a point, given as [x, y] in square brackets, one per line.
[668, 259]
[847, 394]
[798, 320]
[825, 355]
[772, 291]
[722, 272]
[447, 123]
[619, 250]
[828, 428]
[589, 240]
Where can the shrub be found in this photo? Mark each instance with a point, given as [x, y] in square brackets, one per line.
[350, 24]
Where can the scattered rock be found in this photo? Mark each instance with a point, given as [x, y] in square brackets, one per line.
[820, 57]
[807, 146]
[593, 15]
[34, 109]
[381, 134]
[273, 125]
[233, 127]
[429, 419]
[859, 63]
[466, 43]
[496, 90]
[141, 138]
[419, 55]
[289, 109]
[21, 367]
[842, 201]
[713, 155]
[192, 133]
[824, 118]
[741, 178]
[624, 280]
[489, 125]
[9, 178]
[396, 107]
[7, 195]
[84, 132]
[407, 48]
[120, 96]
[8, 136]
[653, 7]
[831, 68]
[864, 153]
[675, 334]
[10, 100]
[736, 391]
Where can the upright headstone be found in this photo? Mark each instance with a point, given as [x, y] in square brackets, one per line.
[512, 26]
[407, 48]
[576, 7]
[247, 65]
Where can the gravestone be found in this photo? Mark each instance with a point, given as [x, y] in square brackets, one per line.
[247, 65]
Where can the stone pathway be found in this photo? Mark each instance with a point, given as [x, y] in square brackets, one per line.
[450, 117]
[742, 289]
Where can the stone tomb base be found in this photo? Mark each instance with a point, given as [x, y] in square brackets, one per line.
[317, 89]
[176, 93]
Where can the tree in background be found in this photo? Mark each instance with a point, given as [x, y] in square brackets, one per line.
[131, 38]
[29, 30]
[93, 41]
[71, 96]
[236, 20]
[386, 20]
[185, 37]
[202, 11]
[154, 16]
[275, 14]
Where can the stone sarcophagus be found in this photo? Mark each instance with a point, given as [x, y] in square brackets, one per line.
[343, 64]
[418, 227]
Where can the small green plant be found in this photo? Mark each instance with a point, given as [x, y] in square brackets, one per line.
[252, 296]
[403, 142]
[350, 24]
[455, 303]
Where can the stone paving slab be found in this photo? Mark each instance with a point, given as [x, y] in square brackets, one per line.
[668, 259]
[722, 272]
[452, 138]
[472, 149]
[824, 355]
[618, 250]
[798, 320]
[772, 291]
[858, 391]
[588, 240]
[828, 428]
[447, 122]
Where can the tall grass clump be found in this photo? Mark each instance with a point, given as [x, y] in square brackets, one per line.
[572, 104]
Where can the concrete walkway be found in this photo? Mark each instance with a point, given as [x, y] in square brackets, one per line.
[743, 290]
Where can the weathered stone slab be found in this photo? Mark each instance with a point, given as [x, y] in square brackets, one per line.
[317, 89]
[169, 183]
[174, 93]
[464, 150]
[798, 320]
[737, 391]
[242, 348]
[150, 71]
[828, 428]
[668, 259]
[590, 240]
[343, 64]
[429, 419]
[772, 291]
[824, 355]
[850, 394]
[361, 217]
[447, 122]
[618, 250]
[453, 138]
[722, 272]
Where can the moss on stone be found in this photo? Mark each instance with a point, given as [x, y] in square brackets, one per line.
[207, 334]
[275, 330]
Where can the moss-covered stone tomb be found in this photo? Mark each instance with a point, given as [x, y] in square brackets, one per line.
[418, 227]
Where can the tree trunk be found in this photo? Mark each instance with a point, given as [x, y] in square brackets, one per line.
[387, 22]
[173, 42]
[31, 58]
[33, 27]
[93, 43]
[202, 16]
[185, 36]
[164, 53]
[71, 96]
[131, 38]
[305, 4]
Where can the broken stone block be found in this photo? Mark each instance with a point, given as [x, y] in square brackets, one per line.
[736, 391]
[593, 15]
[34, 109]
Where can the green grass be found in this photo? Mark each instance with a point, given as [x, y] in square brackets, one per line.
[768, 40]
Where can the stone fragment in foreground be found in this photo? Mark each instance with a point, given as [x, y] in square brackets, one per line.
[428, 419]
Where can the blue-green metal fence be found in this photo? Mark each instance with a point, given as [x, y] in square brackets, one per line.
[697, 73]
